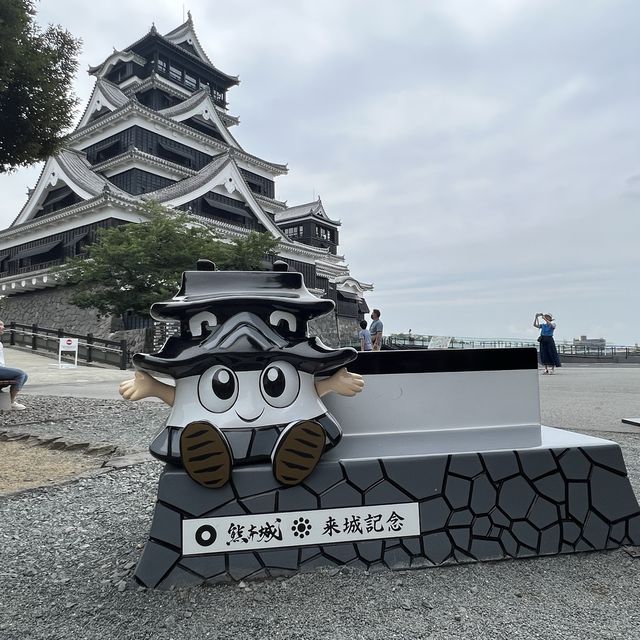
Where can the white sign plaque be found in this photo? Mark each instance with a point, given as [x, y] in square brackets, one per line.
[299, 528]
[67, 344]
[439, 342]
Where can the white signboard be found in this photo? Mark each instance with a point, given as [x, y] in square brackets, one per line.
[439, 342]
[68, 344]
[299, 528]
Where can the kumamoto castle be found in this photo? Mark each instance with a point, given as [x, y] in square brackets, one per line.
[157, 128]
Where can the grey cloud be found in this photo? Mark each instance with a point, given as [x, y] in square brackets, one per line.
[476, 153]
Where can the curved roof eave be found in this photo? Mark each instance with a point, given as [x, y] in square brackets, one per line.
[191, 104]
[206, 179]
[133, 105]
[186, 33]
[125, 55]
[111, 93]
[103, 199]
[77, 174]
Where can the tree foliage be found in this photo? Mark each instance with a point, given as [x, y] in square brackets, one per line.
[134, 265]
[36, 72]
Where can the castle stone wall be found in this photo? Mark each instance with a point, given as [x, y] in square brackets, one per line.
[52, 309]
[348, 330]
[326, 329]
[334, 330]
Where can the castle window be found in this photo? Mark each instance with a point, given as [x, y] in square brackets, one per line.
[72, 245]
[190, 82]
[294, 232]
[108, 150]
[174, 154]
[217, 95]
[175, 73]
[39, 254]
[3, 266]
[57, 199]
[323, 233]
[118, 74]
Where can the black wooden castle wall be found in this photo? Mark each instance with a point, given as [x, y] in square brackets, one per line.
[137, 181]
[167, 149]
[148, 142]
[52, 250]
[174, 63]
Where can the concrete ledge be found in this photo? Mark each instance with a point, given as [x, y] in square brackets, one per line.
[570, 494]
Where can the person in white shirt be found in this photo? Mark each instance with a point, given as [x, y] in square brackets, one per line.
[16, 376]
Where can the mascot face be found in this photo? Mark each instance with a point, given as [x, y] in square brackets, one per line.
[277, 394]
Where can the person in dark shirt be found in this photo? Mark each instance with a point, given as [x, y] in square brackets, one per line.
[376, 330]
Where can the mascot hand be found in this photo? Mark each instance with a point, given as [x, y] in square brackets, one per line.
[341, 382]
[142, 385]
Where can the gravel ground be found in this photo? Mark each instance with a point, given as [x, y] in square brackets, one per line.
[68, 554]
[128, 425]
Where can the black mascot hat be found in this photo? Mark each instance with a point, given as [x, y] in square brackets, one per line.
[243, 320]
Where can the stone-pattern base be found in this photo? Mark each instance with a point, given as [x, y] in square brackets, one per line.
[473, 507]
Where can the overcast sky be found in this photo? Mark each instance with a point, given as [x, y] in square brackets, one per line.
[483, 157]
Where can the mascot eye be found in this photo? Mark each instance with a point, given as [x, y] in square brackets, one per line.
[218, 389]
[280, 384]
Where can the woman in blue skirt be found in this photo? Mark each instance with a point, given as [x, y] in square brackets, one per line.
[548, 352]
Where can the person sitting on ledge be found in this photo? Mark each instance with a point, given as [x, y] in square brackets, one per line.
[17, 377]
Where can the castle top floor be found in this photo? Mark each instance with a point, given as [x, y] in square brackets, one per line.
[177, 56]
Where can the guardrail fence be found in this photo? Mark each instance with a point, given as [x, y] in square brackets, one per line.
[90, 348]
[564, 348]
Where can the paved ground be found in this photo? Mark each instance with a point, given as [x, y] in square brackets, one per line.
[46, 378]
[67, 552]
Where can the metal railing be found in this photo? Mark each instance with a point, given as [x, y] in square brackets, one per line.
[422, 342]
[38, 267]
[564, 348]
[587, 351]
[90, 348]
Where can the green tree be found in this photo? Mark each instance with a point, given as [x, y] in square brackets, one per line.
[134, 265]
[36, 72]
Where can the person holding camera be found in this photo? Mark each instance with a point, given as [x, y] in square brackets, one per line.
[548, 352]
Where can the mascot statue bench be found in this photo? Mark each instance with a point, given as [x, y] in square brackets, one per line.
[279, 459]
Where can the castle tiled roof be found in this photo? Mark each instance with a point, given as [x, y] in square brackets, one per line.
[158, 117]
[112, 92]
[148, 159]
[157, 81]
[182, 107]
[79, 171]
[190, 188]
[197, 99]
[183, 187]
[313, 209]
[187, 30]
[118, 54]
[172, 39]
